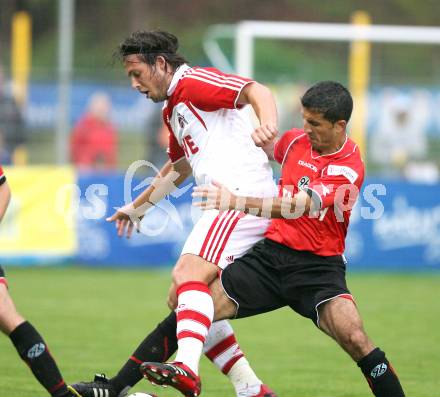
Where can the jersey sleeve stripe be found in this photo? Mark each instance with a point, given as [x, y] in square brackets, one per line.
[231, 79]
[212, 82]
[221, 80]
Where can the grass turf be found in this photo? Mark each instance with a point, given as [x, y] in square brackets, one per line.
[92, 321]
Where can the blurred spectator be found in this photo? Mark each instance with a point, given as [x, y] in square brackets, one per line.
[93, 143]
[12, 128]
[156, 139]
[160, 146]
[5, 156]
[400, 138]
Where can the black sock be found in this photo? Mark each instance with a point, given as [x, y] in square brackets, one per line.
[33, 350]
[380, 375]
[158, 346]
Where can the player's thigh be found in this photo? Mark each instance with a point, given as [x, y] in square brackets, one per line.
[253, 283]
[224, 307]
[311, 280]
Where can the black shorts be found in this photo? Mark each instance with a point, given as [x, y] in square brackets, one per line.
[273, 275]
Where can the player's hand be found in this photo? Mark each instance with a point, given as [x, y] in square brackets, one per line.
[265, 134]
[126, 219]
[214, 196]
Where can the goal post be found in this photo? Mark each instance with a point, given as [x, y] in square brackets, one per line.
[245, 34]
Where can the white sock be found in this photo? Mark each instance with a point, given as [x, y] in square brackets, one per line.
[189, 352]
[244, 378]
[222, 349]
[195, 311]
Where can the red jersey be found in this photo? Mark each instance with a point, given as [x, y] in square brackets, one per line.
[2, 176]
[332, 180]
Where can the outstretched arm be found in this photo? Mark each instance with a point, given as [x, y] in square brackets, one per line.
[166, 181]
[218, 197]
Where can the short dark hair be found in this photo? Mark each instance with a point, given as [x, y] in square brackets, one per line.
[329, 98]
[151, 44]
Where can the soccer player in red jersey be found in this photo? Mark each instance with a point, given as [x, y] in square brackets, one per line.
[300, 263]
[29, 344]
[210, 138]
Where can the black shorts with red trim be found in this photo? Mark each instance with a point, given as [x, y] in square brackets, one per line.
[272, 275]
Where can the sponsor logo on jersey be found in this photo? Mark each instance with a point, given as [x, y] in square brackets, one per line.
[379, 370]
[230, 259]
[343, 170]
[303, 182]
[181, 120]
[308, 165]
[36, 350]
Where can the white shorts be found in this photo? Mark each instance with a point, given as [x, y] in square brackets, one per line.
[222, 237]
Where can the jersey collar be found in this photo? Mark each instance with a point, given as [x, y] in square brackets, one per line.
[178, 74]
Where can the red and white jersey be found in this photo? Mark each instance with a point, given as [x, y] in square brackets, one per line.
[333, 180]
[208, 128]
[2, 176]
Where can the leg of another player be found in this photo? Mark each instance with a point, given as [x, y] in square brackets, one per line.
[194, 313]
[224, 307]
[223, 350]
[340, 319]
[161, 344]
[221, 345]
[30, 346]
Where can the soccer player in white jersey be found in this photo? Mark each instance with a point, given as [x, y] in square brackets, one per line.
[211, 138]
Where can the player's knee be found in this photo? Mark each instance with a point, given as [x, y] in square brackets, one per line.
[193, 269]
[354, 339]
[179, 274]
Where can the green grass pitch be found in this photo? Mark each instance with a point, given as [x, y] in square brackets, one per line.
[93, 319]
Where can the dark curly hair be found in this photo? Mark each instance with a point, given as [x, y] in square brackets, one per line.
[151, 44]
[329, 98]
